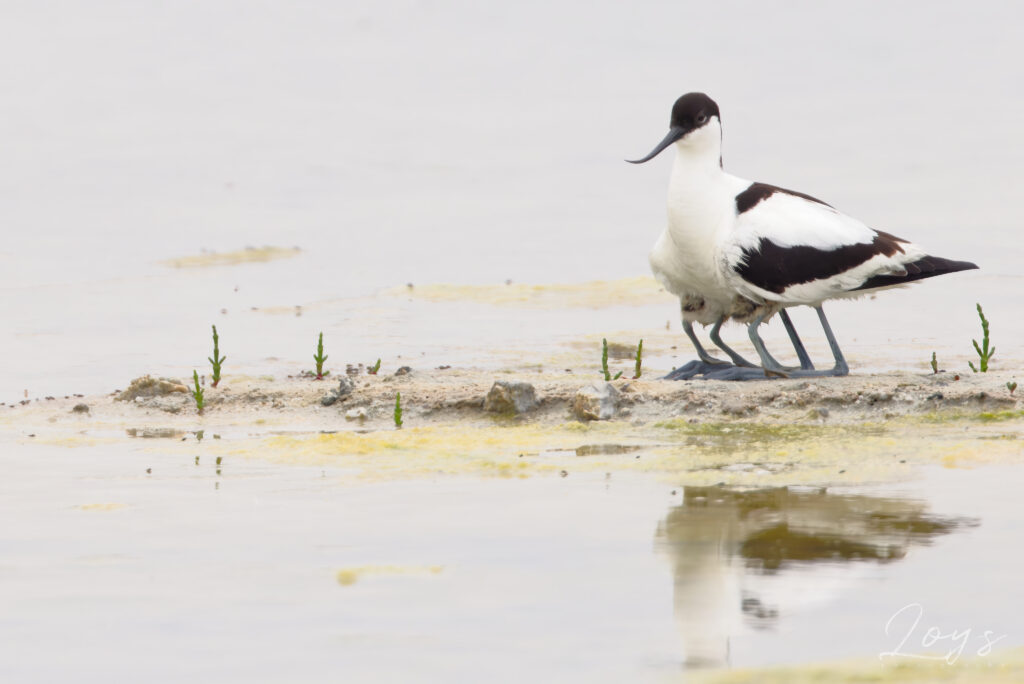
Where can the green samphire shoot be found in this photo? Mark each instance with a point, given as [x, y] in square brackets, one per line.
[639, 359]
[604, 362]
[935, 364]
[398, 410]
[372, 370]
[197, 393]
[216, 360]
[320, 357]
[984, 352]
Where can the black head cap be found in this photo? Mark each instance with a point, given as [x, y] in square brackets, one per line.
[690, 112]
[693, 110]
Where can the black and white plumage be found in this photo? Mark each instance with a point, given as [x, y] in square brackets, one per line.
[791, 248]
[748, 250]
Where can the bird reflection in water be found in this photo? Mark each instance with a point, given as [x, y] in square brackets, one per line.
[729, 549]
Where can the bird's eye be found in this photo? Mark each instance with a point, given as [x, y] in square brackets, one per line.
[702, 118]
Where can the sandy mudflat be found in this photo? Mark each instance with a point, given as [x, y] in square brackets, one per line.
[1007, 668]
[454, 395]
[861, 427]
[364, 516]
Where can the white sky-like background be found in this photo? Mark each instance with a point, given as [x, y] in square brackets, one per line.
[466, 142]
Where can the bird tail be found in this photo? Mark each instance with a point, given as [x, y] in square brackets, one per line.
[925, 267]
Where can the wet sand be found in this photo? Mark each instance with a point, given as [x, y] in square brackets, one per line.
[457, 399]
[261, 549]
[763, 433]
[1006, 669]
[771, 506]
[282, 172]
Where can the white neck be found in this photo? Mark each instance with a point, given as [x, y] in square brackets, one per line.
[700, 201]
[702, 148]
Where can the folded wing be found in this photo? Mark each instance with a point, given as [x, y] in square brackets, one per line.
[792, 248]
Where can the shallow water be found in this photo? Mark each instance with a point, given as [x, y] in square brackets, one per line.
[256, 571]
[421, 142]
[411, 142]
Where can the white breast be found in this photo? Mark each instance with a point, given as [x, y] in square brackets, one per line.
[700, 211]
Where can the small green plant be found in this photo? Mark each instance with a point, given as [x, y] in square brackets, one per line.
[639, 359]
[372, 370]
[320, 357]
[398, 410]
[1012, 386]
[197, 393]
[984, 352]
[604, 362]
[216, 360]
[935, 364]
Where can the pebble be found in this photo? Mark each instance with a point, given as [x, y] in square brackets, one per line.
[510, 397]
[597, 401]
[146, 387]
[344, 388]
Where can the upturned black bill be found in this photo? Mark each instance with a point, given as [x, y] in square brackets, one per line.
[674, 133]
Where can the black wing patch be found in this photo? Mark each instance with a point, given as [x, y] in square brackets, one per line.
[925, 267]
[775, 268]
[758, 192]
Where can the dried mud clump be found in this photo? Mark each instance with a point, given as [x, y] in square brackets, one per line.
[598, 401]
[147, 386]
[510, 397]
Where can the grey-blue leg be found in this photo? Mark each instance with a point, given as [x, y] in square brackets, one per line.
[840, 368]
[773, 368]
[702, 353]
[706, 364]
[798, 346]
[717, 339]
[710, 368]
[768, 362]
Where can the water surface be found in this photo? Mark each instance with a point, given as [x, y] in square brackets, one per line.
[421, 142]
[267, 572]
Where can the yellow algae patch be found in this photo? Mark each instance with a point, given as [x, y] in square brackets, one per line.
[594, 294]
[496, 450]
[102, 507]
[970, 454]
[951, 415]
[349, 576]
[999, 668]
[241, 256]
[992, 416]
[739, 453]
[446, 440]
[71, 441]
